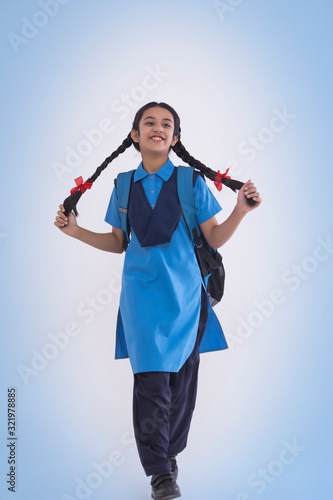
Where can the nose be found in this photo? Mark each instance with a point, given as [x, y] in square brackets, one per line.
[157, 127]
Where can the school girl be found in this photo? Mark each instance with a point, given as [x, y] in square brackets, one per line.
[165, 318]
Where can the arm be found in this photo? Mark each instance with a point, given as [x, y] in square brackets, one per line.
[109, 242]
[218, 234]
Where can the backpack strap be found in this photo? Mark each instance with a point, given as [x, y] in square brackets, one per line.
[123, 184]
[186, 199]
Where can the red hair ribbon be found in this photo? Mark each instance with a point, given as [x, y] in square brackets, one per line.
[218, 179]
[83, 186]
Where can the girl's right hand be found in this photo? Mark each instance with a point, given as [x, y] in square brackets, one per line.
[68, 225]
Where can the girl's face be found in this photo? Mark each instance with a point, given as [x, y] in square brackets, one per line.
[155, 132]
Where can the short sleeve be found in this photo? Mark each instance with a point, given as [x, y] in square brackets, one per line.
[206, 205]
[112, 214]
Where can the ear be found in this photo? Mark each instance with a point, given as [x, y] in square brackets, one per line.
[135, 135]
[174, 140]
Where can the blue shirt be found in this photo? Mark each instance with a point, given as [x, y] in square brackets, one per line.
[161, 288]
[206, 204]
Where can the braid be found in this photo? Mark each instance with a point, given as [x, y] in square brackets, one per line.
[72, 200]
[180, 151]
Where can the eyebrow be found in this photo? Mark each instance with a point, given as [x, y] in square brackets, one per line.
[153, 117]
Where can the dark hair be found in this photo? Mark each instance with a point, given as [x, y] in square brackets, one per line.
[72, 200]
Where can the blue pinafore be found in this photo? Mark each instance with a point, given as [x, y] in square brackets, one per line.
[161, 283]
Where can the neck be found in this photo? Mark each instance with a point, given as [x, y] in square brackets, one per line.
[152, 163]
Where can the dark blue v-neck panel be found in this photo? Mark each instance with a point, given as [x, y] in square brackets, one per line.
[155, 226]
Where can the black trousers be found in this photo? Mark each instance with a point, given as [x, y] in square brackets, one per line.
[163, 404]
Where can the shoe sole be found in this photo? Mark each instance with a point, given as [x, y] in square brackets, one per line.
[168, 497]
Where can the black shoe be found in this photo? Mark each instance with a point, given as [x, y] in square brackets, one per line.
[174, 466]
[164, 487]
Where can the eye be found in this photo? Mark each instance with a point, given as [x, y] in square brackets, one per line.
[167, 125]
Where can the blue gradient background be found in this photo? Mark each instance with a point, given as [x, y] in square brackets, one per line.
[225, 75]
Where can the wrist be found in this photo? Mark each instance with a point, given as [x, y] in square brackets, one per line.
[76, 232]
[240, 211]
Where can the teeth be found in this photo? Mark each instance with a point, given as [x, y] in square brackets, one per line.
[159, 139]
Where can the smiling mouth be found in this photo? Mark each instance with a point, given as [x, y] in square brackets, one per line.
[156, 138]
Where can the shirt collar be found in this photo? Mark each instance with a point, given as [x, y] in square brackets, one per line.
[164, 172]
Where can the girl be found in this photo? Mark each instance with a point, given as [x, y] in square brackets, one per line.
[164, 317]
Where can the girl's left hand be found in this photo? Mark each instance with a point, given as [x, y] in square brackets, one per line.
[248, 190]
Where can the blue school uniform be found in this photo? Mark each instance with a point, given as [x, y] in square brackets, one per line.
[161, 282]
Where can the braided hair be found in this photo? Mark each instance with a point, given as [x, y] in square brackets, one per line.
[71, 201]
